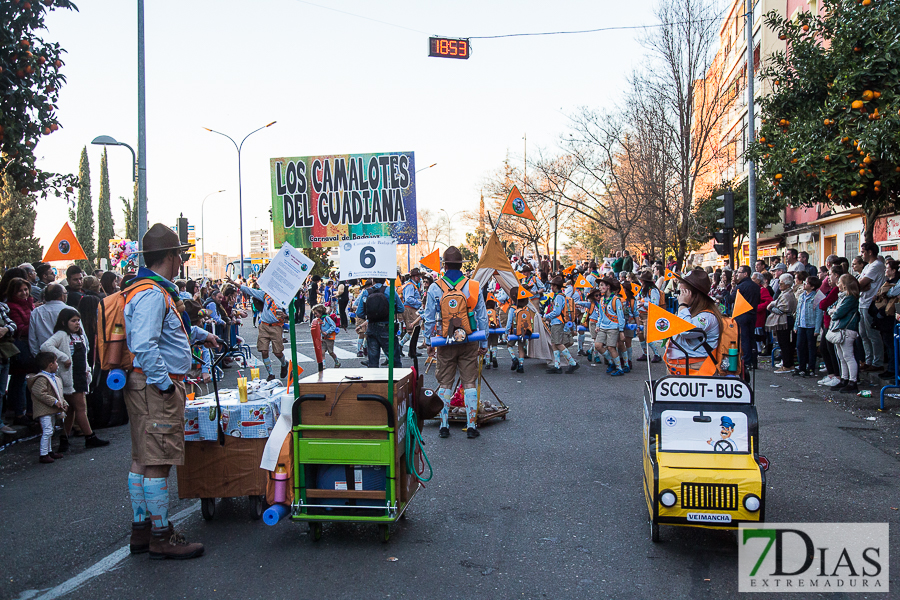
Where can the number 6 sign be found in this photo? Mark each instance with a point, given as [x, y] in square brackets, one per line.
[368, 257]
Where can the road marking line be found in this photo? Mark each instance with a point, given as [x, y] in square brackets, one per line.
[100, 567]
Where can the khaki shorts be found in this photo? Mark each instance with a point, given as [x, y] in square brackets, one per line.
[559, 335]
[410, 315]
[157, 422]
[461, 357]
[592, 328]
[328, 346]
[607, 337]
[270, 333]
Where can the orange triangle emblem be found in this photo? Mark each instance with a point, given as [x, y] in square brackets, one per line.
[568, 270]
[583, 283]
[524, 293]
[663, 324]
[515, 205]
[491, 297]
[669, 274]
[741, 306]
[432, 262]
[635, 289]
[65, 246]
[520, 276]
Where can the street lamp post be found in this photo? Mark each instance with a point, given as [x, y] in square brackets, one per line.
[203, 231]
[141, 208]
[238, 147]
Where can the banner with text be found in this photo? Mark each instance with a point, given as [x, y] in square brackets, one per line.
[324, 200]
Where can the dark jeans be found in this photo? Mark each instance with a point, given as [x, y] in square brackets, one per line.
[748, 342]
[826, 349]
[887, 338]
[342, 309]
[377, 340]
[806, 349]
[787, 350]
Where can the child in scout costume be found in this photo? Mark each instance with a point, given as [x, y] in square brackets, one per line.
[531, 283]
[412, 302]
[629, 308]
[610, 325]
[325, 325]
[561, 318]
[361, 324]
[648, 295]
[519, 321]
[270, 328]
[695, 306]
[454, 309]
[494, 319]
[591, 314]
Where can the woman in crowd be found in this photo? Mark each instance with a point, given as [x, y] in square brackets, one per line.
[765, 297]
[781, 321]
[842, 332]
[826, 348]
[884, 307]
[18, 298]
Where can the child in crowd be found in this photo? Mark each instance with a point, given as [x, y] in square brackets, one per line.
[323, 322]
[629, 307]
[610, 325]
[361, 325]
[519, 322]
[493, 311]
[47, 398]
[807, 326]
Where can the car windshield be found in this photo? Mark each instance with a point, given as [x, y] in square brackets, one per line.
[725, 431]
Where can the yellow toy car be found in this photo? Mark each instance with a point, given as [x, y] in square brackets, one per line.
[702, 466]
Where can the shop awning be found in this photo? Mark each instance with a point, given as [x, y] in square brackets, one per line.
[841, 216]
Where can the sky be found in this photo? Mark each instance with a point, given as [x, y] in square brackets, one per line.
[341, 76]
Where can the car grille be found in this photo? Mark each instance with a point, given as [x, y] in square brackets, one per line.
[709, 495]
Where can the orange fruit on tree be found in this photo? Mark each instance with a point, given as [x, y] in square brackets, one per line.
[877, 183]
[793, 161]
[867, 95]
[778, 176]
[862, 172]
[857, 104]
[805, 28]
[876, 190]
[877, 95]
[853, 193]
[867, 160]
[762, 140]
[866, 2]
[827, 157]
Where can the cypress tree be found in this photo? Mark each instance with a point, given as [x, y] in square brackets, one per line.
[84, 213]
[17, 214]
[105, 227]
[129, 211]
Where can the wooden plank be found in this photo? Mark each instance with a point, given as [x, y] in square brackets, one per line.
[348, 494]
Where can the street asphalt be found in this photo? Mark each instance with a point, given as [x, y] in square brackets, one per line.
[546, 504]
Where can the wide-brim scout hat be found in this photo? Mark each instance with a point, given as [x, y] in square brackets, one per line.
[593, 292]
[160, 238]
[647, 276]
[613, 283]
[526, 268]
[558, 281]
[452, 255]
[697, 280]
[193, 308]
[414, 272]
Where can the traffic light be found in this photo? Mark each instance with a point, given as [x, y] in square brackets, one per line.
[727, 208]
[724, 242]
[182, 228]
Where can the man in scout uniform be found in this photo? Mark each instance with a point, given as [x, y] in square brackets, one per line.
[412, 302]
[453, 302]
[561, 318]
[271, 325]
[154, 393]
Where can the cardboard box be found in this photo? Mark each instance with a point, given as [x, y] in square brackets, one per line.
[229, 471]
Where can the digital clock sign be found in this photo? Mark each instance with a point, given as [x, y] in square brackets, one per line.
[448, 47]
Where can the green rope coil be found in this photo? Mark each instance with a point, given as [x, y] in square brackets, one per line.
[413, 440]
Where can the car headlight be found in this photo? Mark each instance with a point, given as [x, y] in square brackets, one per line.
[668, 499]
[751, 502]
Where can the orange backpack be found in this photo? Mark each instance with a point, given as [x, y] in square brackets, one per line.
[111, 345]
[493, 323]
[524, 321]
[729, 336]
[455, 306]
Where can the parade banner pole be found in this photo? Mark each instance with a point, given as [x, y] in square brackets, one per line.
[292, 319]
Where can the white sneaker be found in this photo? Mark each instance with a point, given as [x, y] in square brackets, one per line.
[783, 370]
[7, 430]
[824, 380]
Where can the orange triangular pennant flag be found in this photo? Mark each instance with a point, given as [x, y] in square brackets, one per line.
[65, 246]
[669, 274]
[662, 324]
[432, 261]
[515, 205]
[635, 289]
[524, 293]
[362, 282]
[397, 284]
[568, 270]
[520, 276]
[491, 296]
[583, 282]
[741, 306]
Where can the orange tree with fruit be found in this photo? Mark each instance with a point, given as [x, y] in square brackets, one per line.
[830, 129]
[30, 78]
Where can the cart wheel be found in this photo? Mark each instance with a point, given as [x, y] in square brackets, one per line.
[257, 507]
[208, 508]
[315, 531]
[384, 532]
[654, 532]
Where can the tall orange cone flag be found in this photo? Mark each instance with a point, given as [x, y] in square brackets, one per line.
[741, 306]
[515, 205]
[432, 261]
[662, 324]
[65, 246]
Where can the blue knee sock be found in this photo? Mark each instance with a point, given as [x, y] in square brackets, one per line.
[156, 494]
[556, 358]
[267, 363]
[513, 353]
[445, 395]
[568, 356]
[616, 362]
[608, 356]
[580, 341]
[359, 344]
[628, 353]
[470, 396]
[136, 491]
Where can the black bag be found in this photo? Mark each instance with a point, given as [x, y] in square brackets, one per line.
[377, 308]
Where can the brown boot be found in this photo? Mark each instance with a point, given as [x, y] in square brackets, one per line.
[168, 543]
[140, 537]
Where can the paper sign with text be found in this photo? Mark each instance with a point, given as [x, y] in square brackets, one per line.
[285, 275]
[367, 258]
